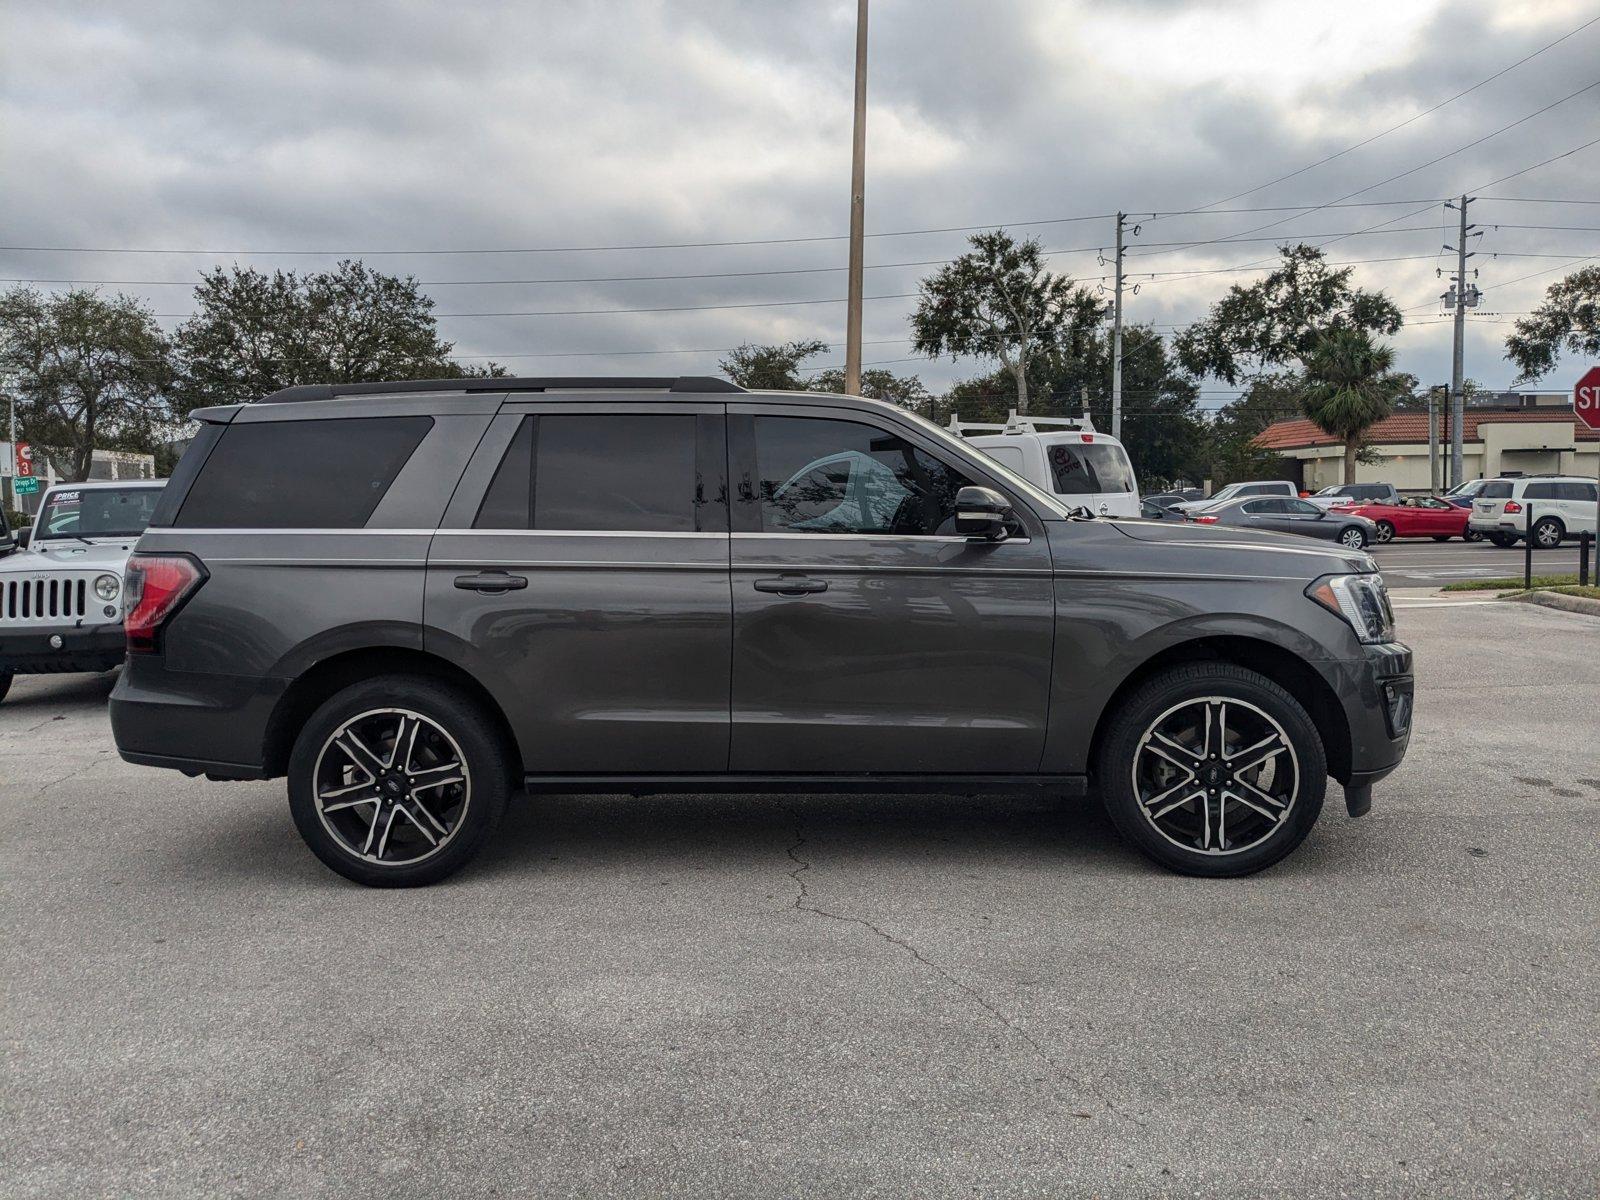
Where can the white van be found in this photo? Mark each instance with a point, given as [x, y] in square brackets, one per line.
[1063, 455]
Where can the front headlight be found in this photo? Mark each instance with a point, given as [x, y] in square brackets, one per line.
[1361, 600]
[107, 587]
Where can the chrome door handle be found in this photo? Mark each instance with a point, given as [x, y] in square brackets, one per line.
[491, 582]
[795, 586]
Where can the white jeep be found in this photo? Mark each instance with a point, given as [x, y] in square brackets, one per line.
[62, 599]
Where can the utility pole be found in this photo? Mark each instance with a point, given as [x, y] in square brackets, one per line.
[1460, 296]
[1116, 340]
[858, 208]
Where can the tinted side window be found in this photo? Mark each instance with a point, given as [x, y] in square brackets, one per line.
[615, 471]
[1540, 491]
[1259, 508]
[824, 476]
[1255, 489]
[1576, 491]
[301, 474]
[507, 503]
[1303, 508]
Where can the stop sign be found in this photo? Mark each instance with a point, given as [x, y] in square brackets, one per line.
[1586, 398]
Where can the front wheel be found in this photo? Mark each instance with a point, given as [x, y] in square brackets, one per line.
[1385, 532]
[1211, 769]
[1354, 538]
[398, 781]
[5, 683]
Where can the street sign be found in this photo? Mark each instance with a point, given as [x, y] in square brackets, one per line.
[26, 485]
[24, 460]
[1586, 398]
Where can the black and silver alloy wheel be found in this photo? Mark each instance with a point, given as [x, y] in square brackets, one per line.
[1211, 768]
[1547, 534]
[1353, 539]
[392, 786]
[1215, 774]
[399, 780]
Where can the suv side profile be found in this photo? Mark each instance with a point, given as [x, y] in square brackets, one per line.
[414, 599]
[1561, 506]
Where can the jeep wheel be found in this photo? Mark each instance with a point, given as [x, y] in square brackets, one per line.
[1385, 532]
[398, 781]
[1211, 769]
[5, 683]
[1547, 533]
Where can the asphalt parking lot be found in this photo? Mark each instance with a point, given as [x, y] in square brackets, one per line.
[1425, 563]
[825, 995]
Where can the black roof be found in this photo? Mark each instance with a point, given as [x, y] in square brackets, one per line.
[668, 383]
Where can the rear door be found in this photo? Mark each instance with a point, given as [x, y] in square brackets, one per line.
[868, 636]
[583, 577]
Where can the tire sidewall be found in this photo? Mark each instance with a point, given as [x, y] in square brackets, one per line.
[451, 710]
[1382, 536]
[1115, 761]
[1548, 523]
[1346, 533]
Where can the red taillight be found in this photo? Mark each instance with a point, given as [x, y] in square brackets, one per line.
[1512, 507]
[1205, 520]
[157, 585]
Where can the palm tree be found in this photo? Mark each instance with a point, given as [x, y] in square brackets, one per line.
[1349, 386]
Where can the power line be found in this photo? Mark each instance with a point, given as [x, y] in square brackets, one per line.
[1409, 120]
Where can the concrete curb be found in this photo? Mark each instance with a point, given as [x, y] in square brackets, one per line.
[1573, 604]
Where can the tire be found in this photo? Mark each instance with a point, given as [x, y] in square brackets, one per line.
[1441, 537]
[432, 829]
[1122, 770]
[1353, 537]
[1547, 533]
[1470, 535]
[5, 683]
[1385, 532]
[1504, 540]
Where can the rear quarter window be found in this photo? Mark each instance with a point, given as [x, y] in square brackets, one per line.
[300, 474]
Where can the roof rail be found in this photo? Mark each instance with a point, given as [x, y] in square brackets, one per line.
[1015, 424]
[664, 383]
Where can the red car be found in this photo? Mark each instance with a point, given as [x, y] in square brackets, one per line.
[1419, 516]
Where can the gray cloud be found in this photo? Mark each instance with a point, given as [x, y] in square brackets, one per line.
[356, 127]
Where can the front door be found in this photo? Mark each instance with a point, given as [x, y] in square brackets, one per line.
[583, 578]
[867, 635]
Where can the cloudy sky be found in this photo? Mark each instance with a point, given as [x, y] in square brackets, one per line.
[616, 138]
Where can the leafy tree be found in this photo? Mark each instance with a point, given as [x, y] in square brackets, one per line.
[877, 384]
[1276, 321]
[774, 368]
[255, 333]
[88, 371]
[1234, 453]
[1569, 319]
[1349, 386]
[998, 302]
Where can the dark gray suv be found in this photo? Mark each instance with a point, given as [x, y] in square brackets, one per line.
[417, 599]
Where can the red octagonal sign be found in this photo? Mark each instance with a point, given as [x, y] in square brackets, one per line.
[1586, 398]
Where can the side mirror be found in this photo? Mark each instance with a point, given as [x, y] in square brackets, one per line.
[24, 536]
[982, 513]
[1173, 508]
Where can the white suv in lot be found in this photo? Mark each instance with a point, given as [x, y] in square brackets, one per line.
[62, 599]
[1560, 506]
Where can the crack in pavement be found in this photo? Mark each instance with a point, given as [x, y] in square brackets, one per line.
[803, 903]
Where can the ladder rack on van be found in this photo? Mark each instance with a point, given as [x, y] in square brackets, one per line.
[1016, 425]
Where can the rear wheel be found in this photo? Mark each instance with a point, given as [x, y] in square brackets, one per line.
[398, 781]
[1211, 769]
[1547, 533]
[1504, 540]
[1385, 532]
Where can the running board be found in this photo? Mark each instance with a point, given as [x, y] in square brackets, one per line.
[650, 785]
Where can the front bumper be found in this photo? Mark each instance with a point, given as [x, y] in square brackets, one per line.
[28, 651]
[1378, 693]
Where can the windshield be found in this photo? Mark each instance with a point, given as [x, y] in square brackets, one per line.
[97, 512]
[1080, 469]
[1470, 488]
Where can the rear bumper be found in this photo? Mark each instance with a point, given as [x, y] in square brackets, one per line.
[196, 723]
[83, 648]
